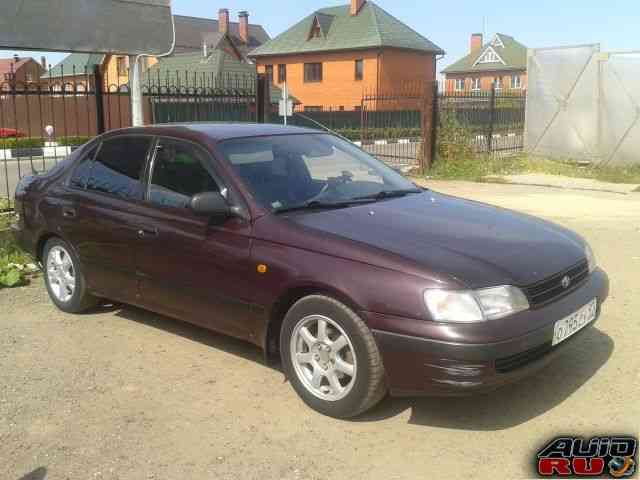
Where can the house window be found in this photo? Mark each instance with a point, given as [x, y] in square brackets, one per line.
[309, 108]
[121, 64]
[29, 77]
[358, 108]
[459, 84]
[9, 76]
[312, 72]
[282, 73]
[359, 69]
[475, 85]
[269, 72]
[516, 82]
[497, 82]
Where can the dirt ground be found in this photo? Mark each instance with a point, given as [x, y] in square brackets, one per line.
[126, 394]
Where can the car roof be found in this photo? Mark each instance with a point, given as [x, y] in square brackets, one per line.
[217, 131]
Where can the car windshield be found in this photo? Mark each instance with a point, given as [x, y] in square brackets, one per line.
[286, 172]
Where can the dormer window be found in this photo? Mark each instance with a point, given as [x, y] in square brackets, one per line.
[320, 26]
[489, 56]
[316, 30]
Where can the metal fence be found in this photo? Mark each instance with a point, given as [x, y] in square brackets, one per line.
[42, 122]
[394, 125]
[584, 105]
[488, 121]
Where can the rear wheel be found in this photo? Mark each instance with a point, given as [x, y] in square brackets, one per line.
[331, 358]
[64, 278]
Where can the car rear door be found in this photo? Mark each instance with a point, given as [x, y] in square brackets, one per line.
[102, 218]
[190, 268]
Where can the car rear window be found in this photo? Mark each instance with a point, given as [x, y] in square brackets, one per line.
[118, 167]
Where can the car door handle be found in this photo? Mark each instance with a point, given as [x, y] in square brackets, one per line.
[147, 232]
[68, 212]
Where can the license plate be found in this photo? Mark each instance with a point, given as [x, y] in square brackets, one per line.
[566, 327]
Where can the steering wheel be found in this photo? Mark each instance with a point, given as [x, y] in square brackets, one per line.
[332, 184]
[320, 194]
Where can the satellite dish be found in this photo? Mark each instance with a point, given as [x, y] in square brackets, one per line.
[131, 27]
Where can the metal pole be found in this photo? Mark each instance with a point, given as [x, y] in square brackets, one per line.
[286, 103]
[135, 86]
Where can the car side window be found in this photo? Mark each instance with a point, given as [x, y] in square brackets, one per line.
[118, 167]
[81, 172]
[178, 174]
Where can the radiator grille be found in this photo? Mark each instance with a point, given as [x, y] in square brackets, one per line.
[551, 288]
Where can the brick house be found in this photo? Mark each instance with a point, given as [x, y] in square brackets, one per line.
[502, 61]
[331, 57]
[74, 70]
[20, 71]
[191, 33]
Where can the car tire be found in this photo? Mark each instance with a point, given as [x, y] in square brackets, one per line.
[64, 277]
[336, 368]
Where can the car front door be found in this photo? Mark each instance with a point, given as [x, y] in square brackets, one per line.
[189, 267]
[102, 215]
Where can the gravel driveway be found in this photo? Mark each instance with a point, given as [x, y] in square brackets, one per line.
[126, 394]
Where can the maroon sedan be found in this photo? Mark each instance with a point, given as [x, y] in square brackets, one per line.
[303, 244]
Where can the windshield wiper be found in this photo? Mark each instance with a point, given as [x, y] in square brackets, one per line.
[389, 194]
[317, 204]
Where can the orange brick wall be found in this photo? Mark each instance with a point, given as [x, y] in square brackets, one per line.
[338, 86]
[399, 67]
[383, 71]
[110, 70]
[486, 79]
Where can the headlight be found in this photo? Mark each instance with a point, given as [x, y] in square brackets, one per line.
[467, 306]
[591, 258]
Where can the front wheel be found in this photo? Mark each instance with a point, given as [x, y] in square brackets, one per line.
[331, 358]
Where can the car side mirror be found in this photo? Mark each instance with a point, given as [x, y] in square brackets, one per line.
[210, 204]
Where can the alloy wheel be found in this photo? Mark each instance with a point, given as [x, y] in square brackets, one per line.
[61, 273]
[323, 357]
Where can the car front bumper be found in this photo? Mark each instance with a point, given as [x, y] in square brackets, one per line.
[423, 359]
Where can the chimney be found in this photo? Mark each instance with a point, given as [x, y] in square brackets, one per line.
[475, 43]
[223, 20]
[16, 58]
[244, 26]
[43, 62]
[356, 5]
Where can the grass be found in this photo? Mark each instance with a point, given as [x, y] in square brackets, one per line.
[5, 221]
[10, 256]
[486, 169]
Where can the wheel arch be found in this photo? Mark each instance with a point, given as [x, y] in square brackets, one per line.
[42, 241]
[285, 301]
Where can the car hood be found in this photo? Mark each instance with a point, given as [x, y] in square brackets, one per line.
[477, 244]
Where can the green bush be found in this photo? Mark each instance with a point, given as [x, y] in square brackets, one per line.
[72, 141]
[15, 143]
[391, 133]
[31, 142]
[454, 139]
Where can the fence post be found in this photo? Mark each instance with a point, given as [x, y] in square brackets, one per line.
[435, 121]
[263, 98]
[427, 128]
[492, 115]
[97, 76]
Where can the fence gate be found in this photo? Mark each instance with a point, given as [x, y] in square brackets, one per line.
[397, 127]
[583, 105]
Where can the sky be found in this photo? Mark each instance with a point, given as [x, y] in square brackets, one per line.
[538, 23]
